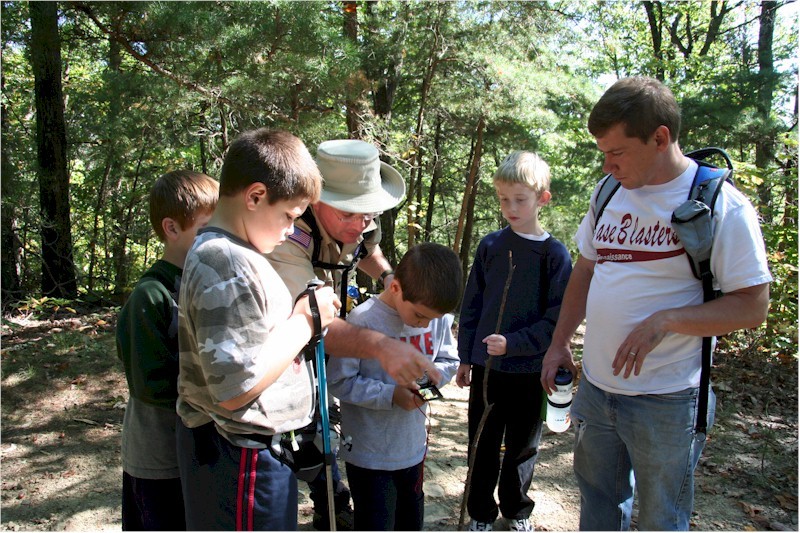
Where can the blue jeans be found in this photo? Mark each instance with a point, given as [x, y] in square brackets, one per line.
[647, 441]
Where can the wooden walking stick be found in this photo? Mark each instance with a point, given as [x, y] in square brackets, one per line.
[473, 449]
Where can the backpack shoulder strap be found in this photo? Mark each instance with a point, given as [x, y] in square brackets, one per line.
[709, 179]
[608, 187]
[703, 154]
[316, 237]
[708, 183]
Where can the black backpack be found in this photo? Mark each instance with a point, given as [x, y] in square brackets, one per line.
[692, 221]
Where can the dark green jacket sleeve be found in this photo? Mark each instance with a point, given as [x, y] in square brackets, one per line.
[147, 343]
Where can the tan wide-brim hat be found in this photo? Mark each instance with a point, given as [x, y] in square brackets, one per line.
[355, 180]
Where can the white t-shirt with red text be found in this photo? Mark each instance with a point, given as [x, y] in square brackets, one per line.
[641, 267]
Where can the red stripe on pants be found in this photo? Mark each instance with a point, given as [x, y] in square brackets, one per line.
[240, 488]
[251, 498]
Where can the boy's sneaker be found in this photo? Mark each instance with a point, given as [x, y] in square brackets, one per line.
[519, 524]
[474, 525]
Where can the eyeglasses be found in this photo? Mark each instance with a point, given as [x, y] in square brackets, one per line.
[349, 218]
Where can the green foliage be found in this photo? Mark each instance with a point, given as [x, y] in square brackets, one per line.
[155, 86]
[44, 307]
[781, 239]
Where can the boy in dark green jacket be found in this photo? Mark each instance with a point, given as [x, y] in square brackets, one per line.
[181, 202]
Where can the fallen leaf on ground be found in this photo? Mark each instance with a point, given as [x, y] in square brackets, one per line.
[750, 509]
[787, 501]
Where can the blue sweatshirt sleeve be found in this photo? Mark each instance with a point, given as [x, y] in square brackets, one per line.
[346, 382]
[471, 307]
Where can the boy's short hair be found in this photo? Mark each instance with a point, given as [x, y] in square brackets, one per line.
[526, 168]
[430, 275]
[275, 158]
[181, 195]
[642, 104]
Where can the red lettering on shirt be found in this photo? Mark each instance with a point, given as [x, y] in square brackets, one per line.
[629, 233]
[418, 341]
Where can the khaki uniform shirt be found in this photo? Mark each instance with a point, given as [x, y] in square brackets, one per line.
[292, 259]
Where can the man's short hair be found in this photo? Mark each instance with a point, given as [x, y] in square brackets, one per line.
[275, 158]
[430, 275]
[642, 104]
[526, 168]
[181, 195]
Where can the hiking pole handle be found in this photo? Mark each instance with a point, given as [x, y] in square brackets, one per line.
[311, 286]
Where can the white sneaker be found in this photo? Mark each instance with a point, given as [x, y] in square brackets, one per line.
[474, 525]
[519, 524]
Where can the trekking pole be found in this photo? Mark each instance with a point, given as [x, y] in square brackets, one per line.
[322, 391]
[326, 436]
[473, 449]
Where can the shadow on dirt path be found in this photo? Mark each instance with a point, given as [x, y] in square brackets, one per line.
[63, 395]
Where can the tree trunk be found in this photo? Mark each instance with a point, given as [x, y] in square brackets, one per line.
[415, 181]
[655, 21]
[436, 175]
[114, 107]
[789, 167]
[466, 242]
[124, 217]
[58, 267]
[469, 189]
[10, 243]
[384, 77]
[352, 105]
[766, 89]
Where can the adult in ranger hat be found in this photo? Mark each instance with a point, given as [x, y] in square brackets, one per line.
[336, 235]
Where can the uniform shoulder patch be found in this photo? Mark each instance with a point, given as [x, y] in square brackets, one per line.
[301, 237]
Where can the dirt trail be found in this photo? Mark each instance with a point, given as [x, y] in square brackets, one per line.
[63, 395]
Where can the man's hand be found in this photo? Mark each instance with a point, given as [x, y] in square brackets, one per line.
[556, 356]
[406, 398]
[495, 344]
[402, 361]
[405, 364]
[573, 310]
[639, 342]
[464, 375]
[743, 308]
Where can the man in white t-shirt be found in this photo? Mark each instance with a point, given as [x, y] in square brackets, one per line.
[636, 405]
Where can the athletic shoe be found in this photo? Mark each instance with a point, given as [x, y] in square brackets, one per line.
[519, 524]
[474, 525]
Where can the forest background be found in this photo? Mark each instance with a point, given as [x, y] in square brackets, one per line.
[101, 98]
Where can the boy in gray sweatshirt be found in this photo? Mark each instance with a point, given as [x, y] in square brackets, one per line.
[384, 422]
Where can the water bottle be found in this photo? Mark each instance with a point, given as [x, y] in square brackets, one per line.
[559, 402]
[352, 297]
